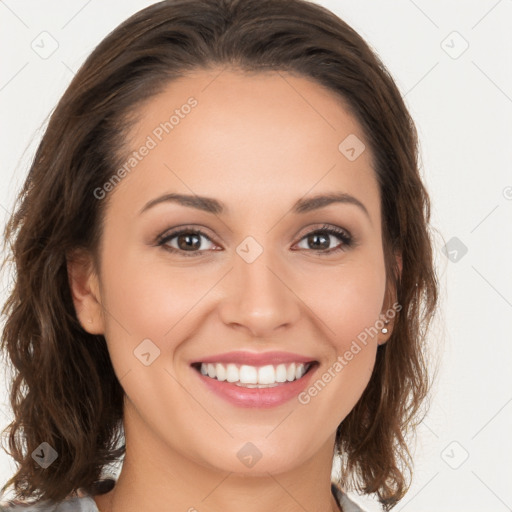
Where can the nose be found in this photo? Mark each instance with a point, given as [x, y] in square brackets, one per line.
[260, 296]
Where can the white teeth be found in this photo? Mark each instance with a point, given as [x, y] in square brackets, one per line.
[232, 374]
[266, 375]
[220, 371]
[252, 376]
[281, 373]
[290, 373]
[248, 375]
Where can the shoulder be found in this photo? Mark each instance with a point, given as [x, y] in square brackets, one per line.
[77, 504]
[346, 504]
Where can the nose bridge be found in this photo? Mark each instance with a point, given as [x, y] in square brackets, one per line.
[259, 297]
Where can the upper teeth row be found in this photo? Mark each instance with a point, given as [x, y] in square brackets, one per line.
[254, 375]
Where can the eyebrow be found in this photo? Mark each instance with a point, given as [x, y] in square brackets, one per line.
[210, 205]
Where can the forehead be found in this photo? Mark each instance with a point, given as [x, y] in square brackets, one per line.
[247, 138]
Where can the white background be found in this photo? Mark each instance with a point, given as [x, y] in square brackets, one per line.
[462, 105]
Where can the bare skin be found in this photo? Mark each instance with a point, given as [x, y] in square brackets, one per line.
[257, 145]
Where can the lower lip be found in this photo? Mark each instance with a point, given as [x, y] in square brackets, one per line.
[262, 398]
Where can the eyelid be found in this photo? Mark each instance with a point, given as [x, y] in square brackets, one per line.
[176, 230]
[323, 227]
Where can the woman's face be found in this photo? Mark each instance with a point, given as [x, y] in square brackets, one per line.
[263, 278]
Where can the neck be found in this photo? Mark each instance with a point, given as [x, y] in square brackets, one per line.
[155, 476]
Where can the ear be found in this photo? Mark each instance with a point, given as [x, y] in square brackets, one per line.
[390, 307]
[85, 291]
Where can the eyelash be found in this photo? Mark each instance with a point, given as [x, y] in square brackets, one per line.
[342, 234]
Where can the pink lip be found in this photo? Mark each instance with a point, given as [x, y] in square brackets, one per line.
[262, 398]
[256, 359]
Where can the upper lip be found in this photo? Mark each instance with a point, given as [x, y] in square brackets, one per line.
[255, 358]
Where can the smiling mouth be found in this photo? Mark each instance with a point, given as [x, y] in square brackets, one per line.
[249, 376]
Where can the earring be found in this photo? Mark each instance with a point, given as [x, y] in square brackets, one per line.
[384, 330]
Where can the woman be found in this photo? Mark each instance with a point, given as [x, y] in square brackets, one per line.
[223, 271]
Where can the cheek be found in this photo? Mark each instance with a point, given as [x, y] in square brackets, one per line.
[349, 303]
[148, 299]
[348, 300]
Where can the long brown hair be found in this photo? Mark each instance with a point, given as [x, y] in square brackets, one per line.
[64, 390]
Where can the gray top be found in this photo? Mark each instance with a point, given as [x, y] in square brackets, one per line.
[77, 504]
[86, 503]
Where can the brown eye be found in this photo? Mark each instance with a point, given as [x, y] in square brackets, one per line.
[188, 241]
[321, 239]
